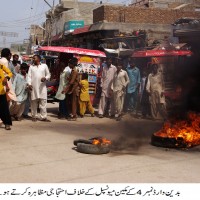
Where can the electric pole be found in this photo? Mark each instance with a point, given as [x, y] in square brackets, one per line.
[50, 21]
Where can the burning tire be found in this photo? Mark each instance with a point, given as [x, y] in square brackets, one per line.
[97, 145]
[167, 142]
[86, 141]
[92, 149]
[179, 133]
[82, 141]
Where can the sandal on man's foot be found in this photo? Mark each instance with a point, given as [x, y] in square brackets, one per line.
[71, 119]
[7, 127]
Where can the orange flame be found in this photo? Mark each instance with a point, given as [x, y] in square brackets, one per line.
[188, 130]
[101, 141]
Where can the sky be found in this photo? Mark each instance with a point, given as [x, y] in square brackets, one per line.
[17, 16]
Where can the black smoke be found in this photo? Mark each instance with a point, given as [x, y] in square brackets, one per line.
[189, 80]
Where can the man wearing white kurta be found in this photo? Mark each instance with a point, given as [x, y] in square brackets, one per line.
[155, 88]
[64, 76]
[106, 82]
[38, 74]
[118, 87]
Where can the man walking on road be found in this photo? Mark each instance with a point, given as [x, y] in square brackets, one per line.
[38, 74]
[106, 81]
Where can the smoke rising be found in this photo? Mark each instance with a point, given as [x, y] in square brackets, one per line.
[134, 135]
[189, 80]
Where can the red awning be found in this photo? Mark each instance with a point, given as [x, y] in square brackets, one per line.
[84, 29]
[73, 50]
[157, 53]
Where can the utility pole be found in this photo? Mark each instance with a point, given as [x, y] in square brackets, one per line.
[51, 21]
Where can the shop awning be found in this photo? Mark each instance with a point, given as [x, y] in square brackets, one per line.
[73, 50]
[84, 29]
[157, 53]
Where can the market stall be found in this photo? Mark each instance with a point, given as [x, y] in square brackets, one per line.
[89, 62]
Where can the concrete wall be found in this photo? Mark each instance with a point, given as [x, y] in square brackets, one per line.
[80, 11]
[76, 11]
[36, 32]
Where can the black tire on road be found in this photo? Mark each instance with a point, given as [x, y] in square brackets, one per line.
[96, 138]
[92, 149]
[82, 141]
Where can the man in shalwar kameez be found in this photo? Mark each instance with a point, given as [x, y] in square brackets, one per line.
[38, 74]
[106, 81]
[20, 87]
[133, 86]
[155, 88]
[118, 87]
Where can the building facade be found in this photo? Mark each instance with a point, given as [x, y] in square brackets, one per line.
[65, 11]
[169, 4]
[36, 37]
[156, 21]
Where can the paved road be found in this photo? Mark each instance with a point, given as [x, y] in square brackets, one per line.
[42, 152]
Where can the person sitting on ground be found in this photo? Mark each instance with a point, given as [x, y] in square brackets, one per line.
[84, 100]
[20, 86]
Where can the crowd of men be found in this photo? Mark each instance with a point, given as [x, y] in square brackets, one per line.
[123, 88]
[126, 89]
[21, 87]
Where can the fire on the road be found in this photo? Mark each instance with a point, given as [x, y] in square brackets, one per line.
[101, 141]
[187, 130]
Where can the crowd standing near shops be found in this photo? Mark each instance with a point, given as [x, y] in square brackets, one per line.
[124, 89]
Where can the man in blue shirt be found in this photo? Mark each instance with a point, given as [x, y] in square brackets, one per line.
[133, 86]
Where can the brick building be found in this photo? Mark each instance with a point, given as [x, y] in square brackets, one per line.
[156, 21]
[170, 4]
